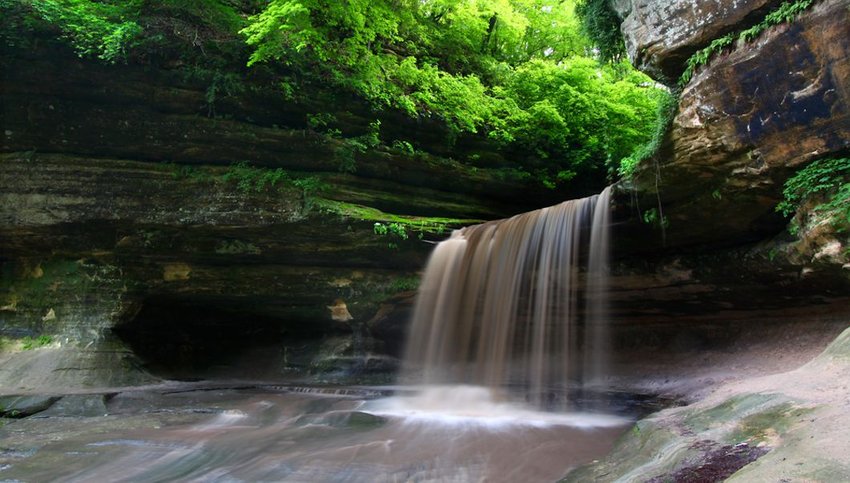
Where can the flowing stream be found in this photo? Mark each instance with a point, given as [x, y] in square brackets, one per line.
[304, 434]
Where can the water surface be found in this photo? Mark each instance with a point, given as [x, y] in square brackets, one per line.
[304, 434]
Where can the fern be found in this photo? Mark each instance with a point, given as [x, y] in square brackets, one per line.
[785, 13]
[829, 178]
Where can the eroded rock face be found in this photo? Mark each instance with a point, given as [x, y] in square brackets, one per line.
[745, 122]
[54, 102]
[660, 35]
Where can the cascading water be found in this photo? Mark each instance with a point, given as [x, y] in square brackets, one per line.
[519, 303]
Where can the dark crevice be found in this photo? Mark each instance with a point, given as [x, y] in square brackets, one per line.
[185, 338]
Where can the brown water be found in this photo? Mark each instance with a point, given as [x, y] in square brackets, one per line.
[304, 436]
[517, 303]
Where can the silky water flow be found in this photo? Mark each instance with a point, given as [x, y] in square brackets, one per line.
[514, 311]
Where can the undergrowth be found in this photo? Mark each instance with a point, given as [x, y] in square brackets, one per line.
[29, 343]
[94, 29]
[250, 179]
[785, 13]
[394, 231]
[388, 224]
[829, 178]
[253, 179]
[404, 284]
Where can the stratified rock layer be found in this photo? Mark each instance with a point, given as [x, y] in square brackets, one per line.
[191, 271]
[123, 221]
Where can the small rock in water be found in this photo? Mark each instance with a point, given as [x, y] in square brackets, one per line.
[363, 420]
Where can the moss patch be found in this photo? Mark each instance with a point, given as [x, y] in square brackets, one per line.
[730, 410]
[767, 425]
[433, 225]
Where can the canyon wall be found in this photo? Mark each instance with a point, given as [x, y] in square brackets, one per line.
[142, 216]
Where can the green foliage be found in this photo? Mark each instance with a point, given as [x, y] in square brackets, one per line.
[349, 149]
[654, 217]
[249, 179]
[95, 29]
[381, 229]
[602, 26]
[320, 121]
[398, 230]
[665, 111]
[382, 221]
[785, 13]
[403, 146]
[513, 69]
[819, 177]
[28, 343]
[195, 32]
[517, 71]
[222, 85]
[825, 178]
[310, 185]
[373, 137]
[252, 179]
[403, 284]
[213, 15]
[392, 229]
[395, 231]
[462, 101]
[577, 115]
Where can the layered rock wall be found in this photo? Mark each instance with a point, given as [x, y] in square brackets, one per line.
[123, 213]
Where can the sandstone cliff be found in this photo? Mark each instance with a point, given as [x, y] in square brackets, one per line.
[744, 123]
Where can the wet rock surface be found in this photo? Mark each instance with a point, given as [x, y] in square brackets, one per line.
[718, 465]
[23, 406]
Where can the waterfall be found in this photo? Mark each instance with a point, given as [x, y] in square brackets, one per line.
[518, 304]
